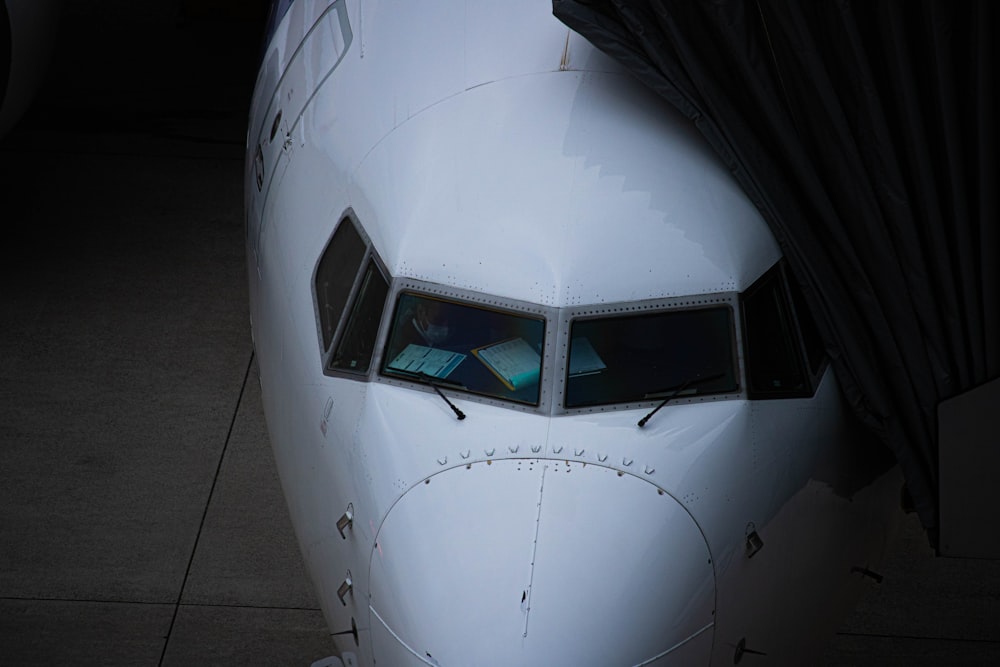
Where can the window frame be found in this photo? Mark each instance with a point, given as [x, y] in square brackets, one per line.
[369, 258]
[553, 381]
[651, 307]
[796, 333]
[547, 314]
[358, 311]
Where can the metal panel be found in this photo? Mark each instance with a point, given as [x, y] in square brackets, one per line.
[969, 458]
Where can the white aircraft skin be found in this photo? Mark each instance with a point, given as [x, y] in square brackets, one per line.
[488, 155]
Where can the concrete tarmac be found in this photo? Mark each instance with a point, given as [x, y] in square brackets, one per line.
[141, 518]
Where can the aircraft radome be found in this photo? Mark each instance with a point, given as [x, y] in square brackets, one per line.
[539, 388]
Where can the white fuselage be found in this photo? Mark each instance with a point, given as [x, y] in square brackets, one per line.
[488, 155]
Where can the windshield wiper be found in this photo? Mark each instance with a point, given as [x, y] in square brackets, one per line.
[435, 383]
[690, 382]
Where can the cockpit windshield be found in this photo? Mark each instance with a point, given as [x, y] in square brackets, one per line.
[482, 350]
[648, 357]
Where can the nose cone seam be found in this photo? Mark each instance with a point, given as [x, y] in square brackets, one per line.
[526, 596]
[538, 563]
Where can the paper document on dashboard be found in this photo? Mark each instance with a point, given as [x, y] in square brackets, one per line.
[514, 362]
[583, 358]
[430, 360]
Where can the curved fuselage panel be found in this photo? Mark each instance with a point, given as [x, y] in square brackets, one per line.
[536, 187]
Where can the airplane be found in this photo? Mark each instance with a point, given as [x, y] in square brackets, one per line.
[538, 383]
[27, 29]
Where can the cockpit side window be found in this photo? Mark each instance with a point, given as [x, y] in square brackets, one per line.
[650, 356]
[335, 277]
[815, 352]
[351, 290]
[775, 353]
[466, 346]
[354, 352]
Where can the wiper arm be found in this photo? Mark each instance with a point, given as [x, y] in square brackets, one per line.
[696, 380]
[434, 383]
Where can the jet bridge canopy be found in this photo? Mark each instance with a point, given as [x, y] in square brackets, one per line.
[866, 135]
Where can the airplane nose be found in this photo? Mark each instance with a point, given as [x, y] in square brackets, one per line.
[540, 563]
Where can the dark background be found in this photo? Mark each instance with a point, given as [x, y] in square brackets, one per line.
[141, 519]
